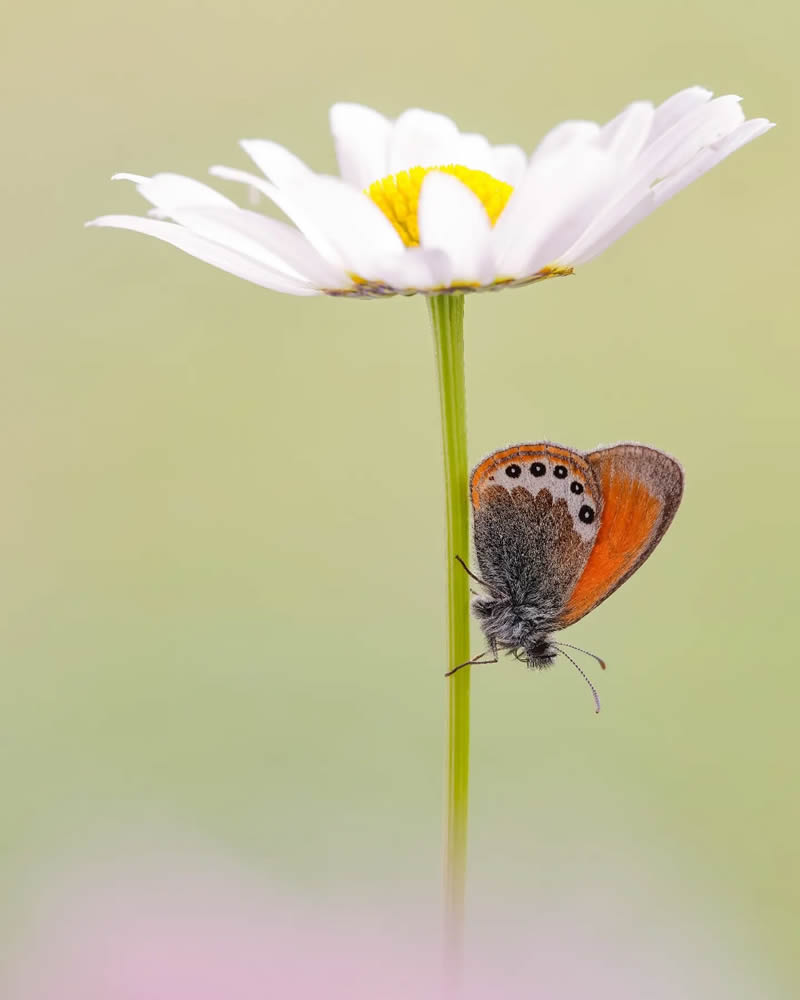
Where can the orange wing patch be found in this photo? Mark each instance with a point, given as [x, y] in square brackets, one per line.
[630, 513]
[641, 490]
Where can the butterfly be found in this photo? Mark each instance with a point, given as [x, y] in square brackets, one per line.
[556, 532]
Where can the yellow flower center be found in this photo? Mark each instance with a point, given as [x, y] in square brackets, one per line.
[397, 196]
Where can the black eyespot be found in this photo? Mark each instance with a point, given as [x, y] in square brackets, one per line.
[538, 469]
[560, 472]
[586, 514]
[576, 488]
[513, 471]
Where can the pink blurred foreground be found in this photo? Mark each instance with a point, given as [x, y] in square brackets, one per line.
[172, 928]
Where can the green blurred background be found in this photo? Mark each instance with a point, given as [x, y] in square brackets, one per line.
[221, 578]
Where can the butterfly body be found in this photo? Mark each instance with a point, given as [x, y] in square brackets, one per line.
[557, 531]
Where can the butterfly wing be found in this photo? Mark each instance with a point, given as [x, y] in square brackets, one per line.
[536, 514]
[641, 489]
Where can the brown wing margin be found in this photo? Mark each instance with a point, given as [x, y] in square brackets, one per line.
[641, 489]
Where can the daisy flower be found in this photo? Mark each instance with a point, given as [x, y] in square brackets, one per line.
[421, 207]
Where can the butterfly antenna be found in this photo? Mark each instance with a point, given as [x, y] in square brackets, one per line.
[583, 675]
[594, 656]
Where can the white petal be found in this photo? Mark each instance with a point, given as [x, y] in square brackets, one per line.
[508, 164]
[676, 107]
[745, 133]
[710, 157]
[352, 223]
[587, 248]
[608, 218]
[183, 199]
[275, 161]
[270, 241]
[205, 250]
[292, 206]
[579, 203]
[361, 137]
[625, 135]
[705, 125]
[421, 139]
[170, 191]
[416, 268]
[222, 226]
[570, 133]
[345, 226]
[136, 178]
[554, 190]
[671, 151]
[453, 219]
[473, 151]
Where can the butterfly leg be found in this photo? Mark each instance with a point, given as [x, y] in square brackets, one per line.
[478, 661]
[469, 573]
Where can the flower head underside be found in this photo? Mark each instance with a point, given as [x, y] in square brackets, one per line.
[420, 207]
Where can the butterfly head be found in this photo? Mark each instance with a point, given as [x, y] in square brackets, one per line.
[539, 654]
[521, 628]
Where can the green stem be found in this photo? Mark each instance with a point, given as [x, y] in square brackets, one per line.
[447, 318]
